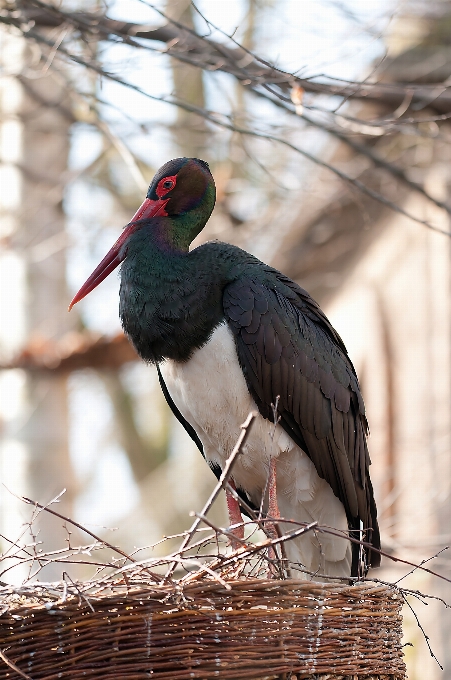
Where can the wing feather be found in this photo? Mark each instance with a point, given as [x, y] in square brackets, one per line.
[310, 406]
[287, 348]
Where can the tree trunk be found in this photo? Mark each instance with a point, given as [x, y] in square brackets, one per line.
[190, 132]
[34, 148]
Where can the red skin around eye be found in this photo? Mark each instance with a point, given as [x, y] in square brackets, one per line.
[161, 190]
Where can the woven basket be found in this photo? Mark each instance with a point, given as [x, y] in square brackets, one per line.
[257, 629]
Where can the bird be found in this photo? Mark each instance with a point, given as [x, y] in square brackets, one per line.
[229, 335]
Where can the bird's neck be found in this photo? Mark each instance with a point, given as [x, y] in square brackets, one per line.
[181, 230]
[170, 299]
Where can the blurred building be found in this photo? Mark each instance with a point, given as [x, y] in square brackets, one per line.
[385, 283]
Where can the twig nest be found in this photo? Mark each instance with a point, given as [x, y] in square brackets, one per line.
[254, 629]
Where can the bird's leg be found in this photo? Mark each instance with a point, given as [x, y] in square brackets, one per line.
[273, 511]
[273, 508]
[234, 516]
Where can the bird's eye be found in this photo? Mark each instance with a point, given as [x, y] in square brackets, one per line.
[165, 185]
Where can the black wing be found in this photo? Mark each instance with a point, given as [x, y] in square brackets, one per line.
[193, 434]
[288, 349]
[188, 427]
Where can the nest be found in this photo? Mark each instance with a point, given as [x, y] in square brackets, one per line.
[206, 610]
[249, 628]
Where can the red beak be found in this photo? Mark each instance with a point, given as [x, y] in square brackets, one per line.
[113, 258]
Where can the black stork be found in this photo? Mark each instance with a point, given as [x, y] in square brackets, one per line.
[229, 334]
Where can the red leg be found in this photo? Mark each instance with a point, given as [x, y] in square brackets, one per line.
[234, 516]
[273, 511]
[273, 508]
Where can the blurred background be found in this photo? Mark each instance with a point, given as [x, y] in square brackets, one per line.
[325, 124]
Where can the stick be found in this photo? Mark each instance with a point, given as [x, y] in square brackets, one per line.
[251, 549]
[245, 429]
[82, 528]
[13, 666]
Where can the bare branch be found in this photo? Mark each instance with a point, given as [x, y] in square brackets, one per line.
[185, 44]
[98, 23]
[426, 637]
[73, 352]
[13, 666]
[82, 528]
[226, 472]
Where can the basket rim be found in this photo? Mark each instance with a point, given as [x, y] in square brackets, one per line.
[44, 596]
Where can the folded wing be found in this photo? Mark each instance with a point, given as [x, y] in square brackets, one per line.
[290, 354]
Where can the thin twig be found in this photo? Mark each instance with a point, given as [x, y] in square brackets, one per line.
[426, 637]
[82, 595]
[251, 549]
[13, 666]
[397, 172]
[176, 35]
[361, 149]
[245, 430]
[155, 577]
[429, 559]
[345, 536]
[221, 121]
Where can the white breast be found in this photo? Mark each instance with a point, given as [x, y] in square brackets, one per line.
[211, 393]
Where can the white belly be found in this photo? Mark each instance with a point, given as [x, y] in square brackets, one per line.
[211, 393]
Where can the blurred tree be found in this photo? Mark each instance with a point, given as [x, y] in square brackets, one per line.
[35, 124]
[376, 145]
[190, 132]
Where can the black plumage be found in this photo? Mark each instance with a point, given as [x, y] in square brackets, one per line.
[172, 300]
[289, 352]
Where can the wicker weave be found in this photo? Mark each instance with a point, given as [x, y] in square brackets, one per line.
[257, 629]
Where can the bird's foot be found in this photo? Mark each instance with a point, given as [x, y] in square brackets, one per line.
[234, 518]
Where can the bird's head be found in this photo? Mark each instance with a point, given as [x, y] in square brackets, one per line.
[183, 190]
